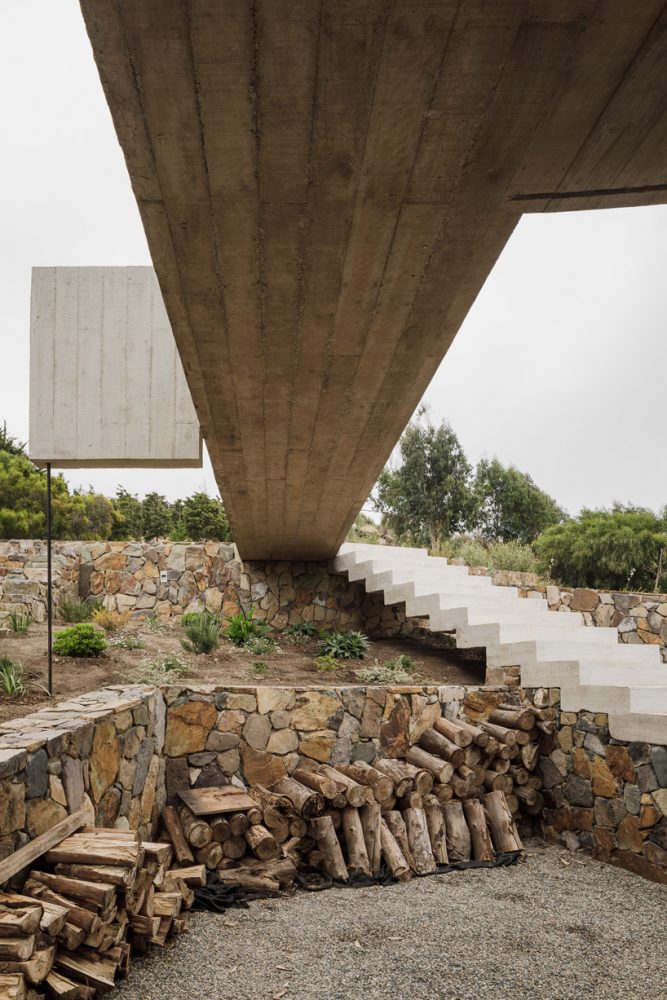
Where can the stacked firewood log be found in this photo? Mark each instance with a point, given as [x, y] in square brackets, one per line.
[70, 931]
[453, 798]
[498, 753]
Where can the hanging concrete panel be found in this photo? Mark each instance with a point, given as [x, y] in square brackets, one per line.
[107, 387]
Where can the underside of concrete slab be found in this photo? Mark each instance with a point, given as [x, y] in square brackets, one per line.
[325, 186]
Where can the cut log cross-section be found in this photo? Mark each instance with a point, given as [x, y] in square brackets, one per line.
[307, 802]
[364, 774]
[441, 770]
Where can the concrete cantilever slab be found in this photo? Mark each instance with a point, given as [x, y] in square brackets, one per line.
[325, 185]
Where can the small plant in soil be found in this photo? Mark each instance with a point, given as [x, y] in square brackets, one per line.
[327, 662]
[301, 634]
[243, 627]
[260, 644]
[79, 640]
[125, 640]
[11, 677]
[155, 624]
[203, 633]
[110, 621]
[164, 669]
[259, 668]
[75, 611]
[344, 645]
[396, 671]
[20, 621]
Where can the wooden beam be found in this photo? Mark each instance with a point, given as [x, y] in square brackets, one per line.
[25, 856]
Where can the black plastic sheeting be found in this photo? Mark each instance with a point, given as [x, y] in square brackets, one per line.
[217, 896]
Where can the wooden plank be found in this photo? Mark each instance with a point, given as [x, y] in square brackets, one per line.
[25, 856]
[209, 801]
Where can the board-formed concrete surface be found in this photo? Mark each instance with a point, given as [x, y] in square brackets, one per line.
[107, 386]
[326, 184]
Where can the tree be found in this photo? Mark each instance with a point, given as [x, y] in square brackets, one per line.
[510, 507]
[23, 504]
[428, 497]
[203, 517]
[9, 443]
[621, 549]
[156, 516]
[129, 508]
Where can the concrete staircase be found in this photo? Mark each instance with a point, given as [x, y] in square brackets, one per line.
[593, 670]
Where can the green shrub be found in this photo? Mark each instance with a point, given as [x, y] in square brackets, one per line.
[344, 645]
[259, 668]
[622, 549]
[79, 640]
[203, 633]
[11, 676]
[193, 616]
[20, 621]
[396, 671]
[242, 627]
[326, 662]
[511, 556]
[161, 670]
[75, 611]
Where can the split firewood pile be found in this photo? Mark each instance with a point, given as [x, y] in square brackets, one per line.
[71, 930]
[453, 798]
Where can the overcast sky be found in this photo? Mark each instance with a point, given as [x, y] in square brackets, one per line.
[559, 368]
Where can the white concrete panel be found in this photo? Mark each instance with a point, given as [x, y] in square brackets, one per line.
[107, 387]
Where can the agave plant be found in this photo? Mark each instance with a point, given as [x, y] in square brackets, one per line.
[344, 645]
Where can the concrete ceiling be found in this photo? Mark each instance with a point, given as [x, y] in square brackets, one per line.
[326, 184]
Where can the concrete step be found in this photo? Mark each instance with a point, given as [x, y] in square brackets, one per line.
[640, 727]
[396, 593]
[616, 699]
[462, 617]
[532, 652]
[621, 671]
[593, 670]
[501, 634]
[430, 603]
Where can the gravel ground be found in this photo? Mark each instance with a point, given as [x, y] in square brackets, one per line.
[550, 928]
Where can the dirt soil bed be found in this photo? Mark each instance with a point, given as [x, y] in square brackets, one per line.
[293, 665]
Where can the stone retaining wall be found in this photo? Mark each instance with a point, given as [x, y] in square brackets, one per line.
[638, 618]
[23, 576]
[120, 752]
[168, 578]
[102, 752]
[607, 796]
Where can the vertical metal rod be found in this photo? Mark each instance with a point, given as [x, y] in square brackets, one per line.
[49, 594]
